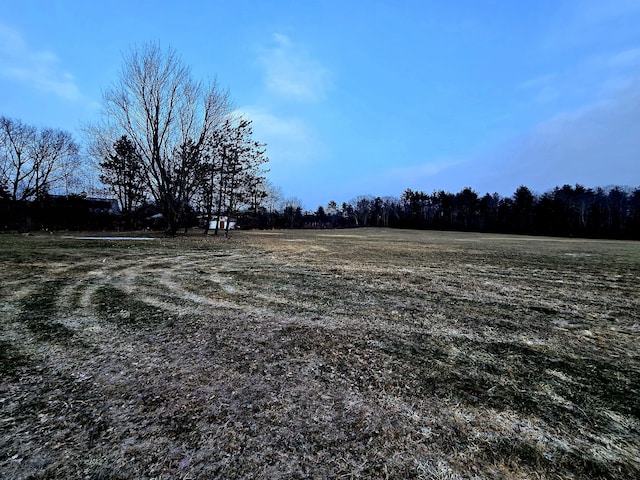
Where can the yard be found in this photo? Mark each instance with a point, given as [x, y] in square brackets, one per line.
[363, 353]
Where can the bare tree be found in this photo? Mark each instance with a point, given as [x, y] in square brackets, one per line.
[332, 212]
[168, 116]
[232, 171]
[272, 199]
[390, 207]
[363, 206]
[34, 162]
[16, 141]
[243, 167]
[256, 193]
[292, 212]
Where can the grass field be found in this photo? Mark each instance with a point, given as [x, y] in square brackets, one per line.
[319, 354]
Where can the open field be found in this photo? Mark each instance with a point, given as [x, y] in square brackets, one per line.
[320, 354]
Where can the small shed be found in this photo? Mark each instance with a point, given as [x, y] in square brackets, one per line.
[222, 223]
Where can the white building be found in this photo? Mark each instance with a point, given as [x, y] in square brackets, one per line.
[225, 222]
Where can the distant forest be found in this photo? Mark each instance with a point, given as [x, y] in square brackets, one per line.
[567, 211]
[612, 212]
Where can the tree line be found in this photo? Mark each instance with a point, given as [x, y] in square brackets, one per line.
[612, 212]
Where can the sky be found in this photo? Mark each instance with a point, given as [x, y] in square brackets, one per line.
[365, 97]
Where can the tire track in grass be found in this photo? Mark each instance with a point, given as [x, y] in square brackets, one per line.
[38, 311]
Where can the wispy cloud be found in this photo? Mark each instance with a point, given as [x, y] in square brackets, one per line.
[39, 68]
[587, 80]
[629, 58]
[544, 87]
[595, 23]
[620, 69]
[593, 49]
[292, 73]
[293, 147]
[291, 142]
[415, 176]
[291, 77]
[597, 145]
[594, 12]
[427, 176]
[539, 81]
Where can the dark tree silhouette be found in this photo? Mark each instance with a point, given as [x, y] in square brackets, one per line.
[123, 173]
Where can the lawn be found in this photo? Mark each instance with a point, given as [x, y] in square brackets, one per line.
[365, 353]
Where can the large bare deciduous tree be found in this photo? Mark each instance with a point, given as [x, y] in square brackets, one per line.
[169, 118]
[35, 162]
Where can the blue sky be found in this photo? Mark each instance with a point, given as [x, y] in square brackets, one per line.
[359, 97]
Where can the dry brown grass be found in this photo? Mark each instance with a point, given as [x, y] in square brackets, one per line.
[333, 354]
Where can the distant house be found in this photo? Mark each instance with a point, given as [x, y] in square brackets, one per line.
[57, 212]
[224, 223]
[109, 206]
[93, 205]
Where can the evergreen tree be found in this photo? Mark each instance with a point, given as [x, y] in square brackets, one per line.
[122, 172]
